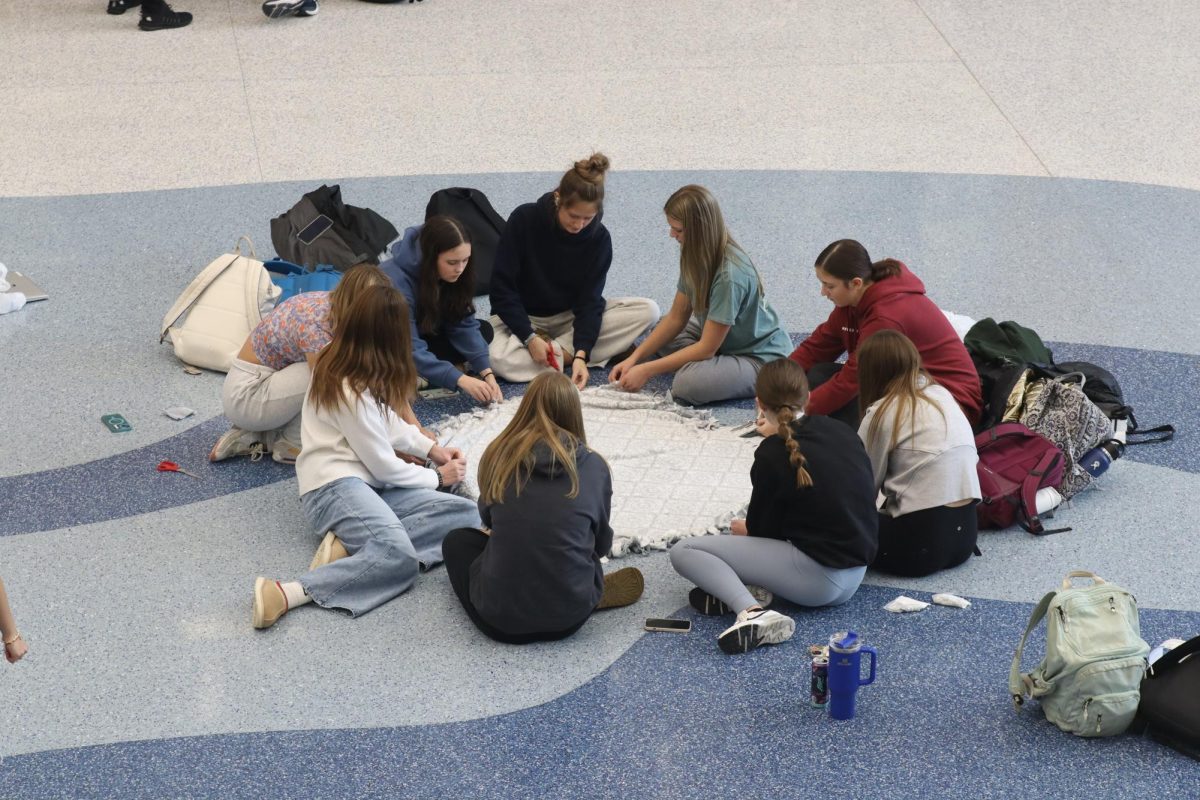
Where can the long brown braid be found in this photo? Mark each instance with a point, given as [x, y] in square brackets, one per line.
[782, 389]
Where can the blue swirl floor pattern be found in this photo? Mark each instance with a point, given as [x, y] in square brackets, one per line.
[938, 722]
[127, 484]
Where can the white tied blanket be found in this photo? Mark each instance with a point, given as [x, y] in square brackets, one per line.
[676, 471]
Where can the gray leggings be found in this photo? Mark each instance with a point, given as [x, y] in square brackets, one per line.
[723, 565]
[714, 379]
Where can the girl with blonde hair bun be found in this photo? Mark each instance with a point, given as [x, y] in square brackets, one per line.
[382, 516]
[534, 573]
[720, 329]
[547, 291]
[810, 529]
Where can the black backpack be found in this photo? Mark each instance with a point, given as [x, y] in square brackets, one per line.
[1102, 388]
[1169, 708]
[472, 208]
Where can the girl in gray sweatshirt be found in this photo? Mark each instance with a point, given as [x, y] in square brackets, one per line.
[923, 458]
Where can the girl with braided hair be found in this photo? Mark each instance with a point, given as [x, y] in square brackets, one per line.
[810, 529]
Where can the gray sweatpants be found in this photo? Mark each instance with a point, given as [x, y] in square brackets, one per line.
[723, 565]
[714, 379]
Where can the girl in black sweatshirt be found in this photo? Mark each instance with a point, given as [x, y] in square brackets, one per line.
[533, 573]
[547, 289]
[810, 530]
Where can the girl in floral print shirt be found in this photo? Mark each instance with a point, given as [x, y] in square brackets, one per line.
[265, 387]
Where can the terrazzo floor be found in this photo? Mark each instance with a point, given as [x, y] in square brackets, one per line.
[1029, 162]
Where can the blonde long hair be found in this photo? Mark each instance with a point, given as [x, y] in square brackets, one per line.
[371, 351]
[706, 241]
[782, 389]
[549, 413]
[889, 371]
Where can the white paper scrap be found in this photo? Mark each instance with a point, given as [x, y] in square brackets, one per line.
[902, 604]
[951, 600]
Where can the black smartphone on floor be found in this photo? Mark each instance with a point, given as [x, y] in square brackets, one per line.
[668, 625]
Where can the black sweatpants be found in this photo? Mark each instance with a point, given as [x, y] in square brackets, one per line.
[926, 541]
[440, 346]
[459, 551]
[820, 373]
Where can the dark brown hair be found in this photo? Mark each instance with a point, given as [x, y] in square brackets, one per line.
[782, 389]
[584, 182]
[371, 351]
[846, 260]
[889, 371]
[437, 299]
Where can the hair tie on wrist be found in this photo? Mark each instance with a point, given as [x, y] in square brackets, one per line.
[580, 358]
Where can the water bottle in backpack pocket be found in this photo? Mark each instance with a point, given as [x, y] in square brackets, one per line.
[1089, 682]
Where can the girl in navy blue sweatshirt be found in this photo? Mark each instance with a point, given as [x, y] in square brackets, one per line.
[533, 573]
[432, 266]
[548, 279]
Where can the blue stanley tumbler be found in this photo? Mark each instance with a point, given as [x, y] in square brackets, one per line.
[845, 660]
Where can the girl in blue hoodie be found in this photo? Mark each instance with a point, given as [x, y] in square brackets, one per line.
[432, 267]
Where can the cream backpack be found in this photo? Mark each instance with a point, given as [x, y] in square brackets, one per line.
[212, 318]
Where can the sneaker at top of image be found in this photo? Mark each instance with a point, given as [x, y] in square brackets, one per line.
[121, 6]
[158, 16]
[277, 9]
[755, 628]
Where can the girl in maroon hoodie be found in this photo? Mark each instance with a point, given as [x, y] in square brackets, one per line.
[871, 296]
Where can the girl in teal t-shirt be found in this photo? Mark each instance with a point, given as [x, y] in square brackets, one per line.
[720, 329]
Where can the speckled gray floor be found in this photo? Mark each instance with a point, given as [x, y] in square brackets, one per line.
[1005, 152]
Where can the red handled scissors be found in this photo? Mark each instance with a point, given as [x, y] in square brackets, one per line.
[171, 466]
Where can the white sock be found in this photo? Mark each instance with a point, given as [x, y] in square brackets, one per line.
[294, 593]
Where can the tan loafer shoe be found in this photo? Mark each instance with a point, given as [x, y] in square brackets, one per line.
[330, 550]
[622, 588]
[270, 603]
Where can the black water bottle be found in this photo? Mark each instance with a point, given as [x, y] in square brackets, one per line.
[1096, 460]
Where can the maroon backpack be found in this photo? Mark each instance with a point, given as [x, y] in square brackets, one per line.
[1014, 462]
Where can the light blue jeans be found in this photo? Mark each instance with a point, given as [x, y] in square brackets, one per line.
[723, 565]
[390, 534]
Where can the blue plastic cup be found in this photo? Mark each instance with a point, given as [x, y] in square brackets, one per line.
[845, 672]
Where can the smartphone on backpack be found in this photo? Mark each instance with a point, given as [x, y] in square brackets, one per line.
[314, 229]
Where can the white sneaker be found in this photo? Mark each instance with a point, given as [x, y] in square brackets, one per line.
[754, 628]
[237, 442]
[713, 606]
[285, 452]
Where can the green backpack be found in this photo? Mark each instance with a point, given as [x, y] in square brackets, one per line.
[1089, 682]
